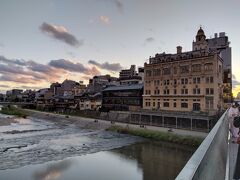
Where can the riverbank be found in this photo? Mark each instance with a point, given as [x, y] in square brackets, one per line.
[157, 135]
[12, 110]
[179, 136]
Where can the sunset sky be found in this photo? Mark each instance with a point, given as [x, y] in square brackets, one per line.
[50, 40]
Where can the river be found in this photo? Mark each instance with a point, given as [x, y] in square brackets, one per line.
[40, 149]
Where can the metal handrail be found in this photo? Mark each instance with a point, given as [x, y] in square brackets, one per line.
[190, 169]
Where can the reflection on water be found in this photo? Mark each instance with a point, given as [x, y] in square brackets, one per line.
[157, 159]
[140, 161]
[53, 171]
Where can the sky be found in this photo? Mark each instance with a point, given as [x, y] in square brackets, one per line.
[51, 40]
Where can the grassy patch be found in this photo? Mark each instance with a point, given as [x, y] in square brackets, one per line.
[157, 135]
[12, 110]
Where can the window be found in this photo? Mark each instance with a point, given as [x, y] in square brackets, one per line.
[148, 73]
[184, 69]
[220, 69]
[153, 104]
[148, 92]
[148, 103]
[156, 72]
[175, 70]
[175, 91]
[156, 82]
[157, 91]
[209, 91]
[211, 79]
[209, 103]
[166, 91]
[148, 83]
[175, 81]
[166, 71]
[207, 80]
[184, 105]
[208, 66]
[184, 91]
[184, 81]
[196, 80]
[168, 82]
[196, 68]
[196, 91]
[166, 104]
[174, 104]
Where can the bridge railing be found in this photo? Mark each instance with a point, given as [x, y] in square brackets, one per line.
[210, 161]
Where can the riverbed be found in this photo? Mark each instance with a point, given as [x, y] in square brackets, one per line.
[41, 147]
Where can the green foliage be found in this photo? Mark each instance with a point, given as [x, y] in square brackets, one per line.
[12, 110]
[157, 135]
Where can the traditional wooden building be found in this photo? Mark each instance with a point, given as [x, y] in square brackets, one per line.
[122, 98]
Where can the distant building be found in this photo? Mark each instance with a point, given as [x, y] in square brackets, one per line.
[131, 80]
[98, 83]
[28, 96]
[14, 95]
[43, 97]
[122, 98]
[89, 101]
[130, 76]
[1, 97]
[68, 88]
[185, 81]
[126, 73]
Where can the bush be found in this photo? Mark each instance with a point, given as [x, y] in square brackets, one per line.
[12, 110]
[157, 135]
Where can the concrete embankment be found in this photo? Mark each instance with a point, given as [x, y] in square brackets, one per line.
[104, 124]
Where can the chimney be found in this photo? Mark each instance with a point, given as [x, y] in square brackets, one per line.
[179, 49]
[216, 35]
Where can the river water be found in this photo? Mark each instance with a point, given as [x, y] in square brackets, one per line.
[39, 149]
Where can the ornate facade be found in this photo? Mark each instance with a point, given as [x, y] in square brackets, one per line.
[185, 81]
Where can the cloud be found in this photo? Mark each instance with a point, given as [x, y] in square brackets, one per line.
[60, 33]
[119, 5]
[12, 61]
[39, 67]
[20, 79]
[4, 86]
[27, 71]
[106, 65]
[29, 87]
[235, 83]
[149, 39]
[105, 20]
[71, 66]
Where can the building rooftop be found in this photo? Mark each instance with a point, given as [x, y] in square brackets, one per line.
[125, 87]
